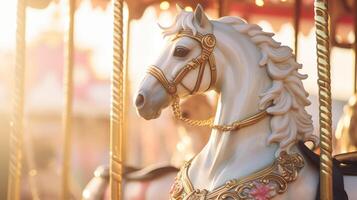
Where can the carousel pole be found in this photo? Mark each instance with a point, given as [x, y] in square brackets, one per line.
[297, 10]
[324, 82]
[68, 105]
[17, 123]
[117, 105]
[221, 7]
[127, 89]
[355, 44]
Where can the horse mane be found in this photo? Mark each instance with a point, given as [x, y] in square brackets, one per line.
[286, 99]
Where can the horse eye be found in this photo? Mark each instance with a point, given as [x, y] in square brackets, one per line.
[181, 51]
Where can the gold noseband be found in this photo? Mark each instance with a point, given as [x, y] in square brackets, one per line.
[207, 42]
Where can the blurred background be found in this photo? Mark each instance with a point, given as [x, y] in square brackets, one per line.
[148, 142]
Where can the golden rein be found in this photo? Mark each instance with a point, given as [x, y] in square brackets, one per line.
[16, 134]
[117, 105]
[209, 122]
[324, 82]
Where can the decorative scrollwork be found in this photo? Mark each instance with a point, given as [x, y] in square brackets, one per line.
[208, 41]
[263, 185]
[289, 165]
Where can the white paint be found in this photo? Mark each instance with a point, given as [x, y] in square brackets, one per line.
[254, 73]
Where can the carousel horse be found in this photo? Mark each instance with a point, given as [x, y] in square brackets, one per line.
[346, 132]
[151, 182]
[256, 148]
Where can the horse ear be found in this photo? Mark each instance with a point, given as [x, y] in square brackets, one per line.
[201, 18]
[179, 7]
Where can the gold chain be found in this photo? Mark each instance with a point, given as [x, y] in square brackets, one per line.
[209, 122]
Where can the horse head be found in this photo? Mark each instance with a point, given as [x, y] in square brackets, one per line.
[252, 72]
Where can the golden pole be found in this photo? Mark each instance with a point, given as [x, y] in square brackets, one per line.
[127, 90]
[355, 44]
[297, 10]
[17, 123]
[324, 82]
[68, 104]
[221, 7]
[117, 104]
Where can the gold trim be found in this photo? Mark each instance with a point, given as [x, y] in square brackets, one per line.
[324, 82]
[67, 116]
[117, 125]
[264, 184]
[238, 124]
[17, 126]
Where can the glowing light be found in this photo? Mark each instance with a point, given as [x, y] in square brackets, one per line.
[164, 5]
[165, 18]
[188, 8]
[283, 0]
[86, 194]
[259, 3]
[33, 172]
[352, 100]
[351, 37]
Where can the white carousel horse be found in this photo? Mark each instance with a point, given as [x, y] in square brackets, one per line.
[252, 151]
[154, 182]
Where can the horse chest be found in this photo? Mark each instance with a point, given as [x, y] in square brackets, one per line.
[269, 183]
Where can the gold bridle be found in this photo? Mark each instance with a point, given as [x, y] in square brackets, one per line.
[207, 42]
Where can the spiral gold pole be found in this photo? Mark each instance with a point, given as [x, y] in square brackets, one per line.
[127, 89]
[68, 105]
[16, 135]
[117, 105]
[297, 17]
[324, 82]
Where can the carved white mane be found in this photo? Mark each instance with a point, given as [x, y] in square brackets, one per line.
[286, 99]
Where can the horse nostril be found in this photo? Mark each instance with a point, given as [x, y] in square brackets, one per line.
[139, 102]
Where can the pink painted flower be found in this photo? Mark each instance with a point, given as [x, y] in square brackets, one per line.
[262, 191]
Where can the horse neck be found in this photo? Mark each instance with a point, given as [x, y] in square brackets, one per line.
[243, 151]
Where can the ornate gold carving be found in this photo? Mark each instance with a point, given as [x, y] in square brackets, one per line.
[208, 41]
[176, 189]
[262, 185]
[289, 165]
[197, 195]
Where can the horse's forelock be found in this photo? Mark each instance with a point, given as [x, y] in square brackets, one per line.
[184, 20]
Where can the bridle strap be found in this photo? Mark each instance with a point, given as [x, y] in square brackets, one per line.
[212, 63]
[160, 76]
[208, 43]
[201, 71]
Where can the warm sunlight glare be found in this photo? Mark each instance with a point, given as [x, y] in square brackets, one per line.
[259, 3]
[164, 5]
